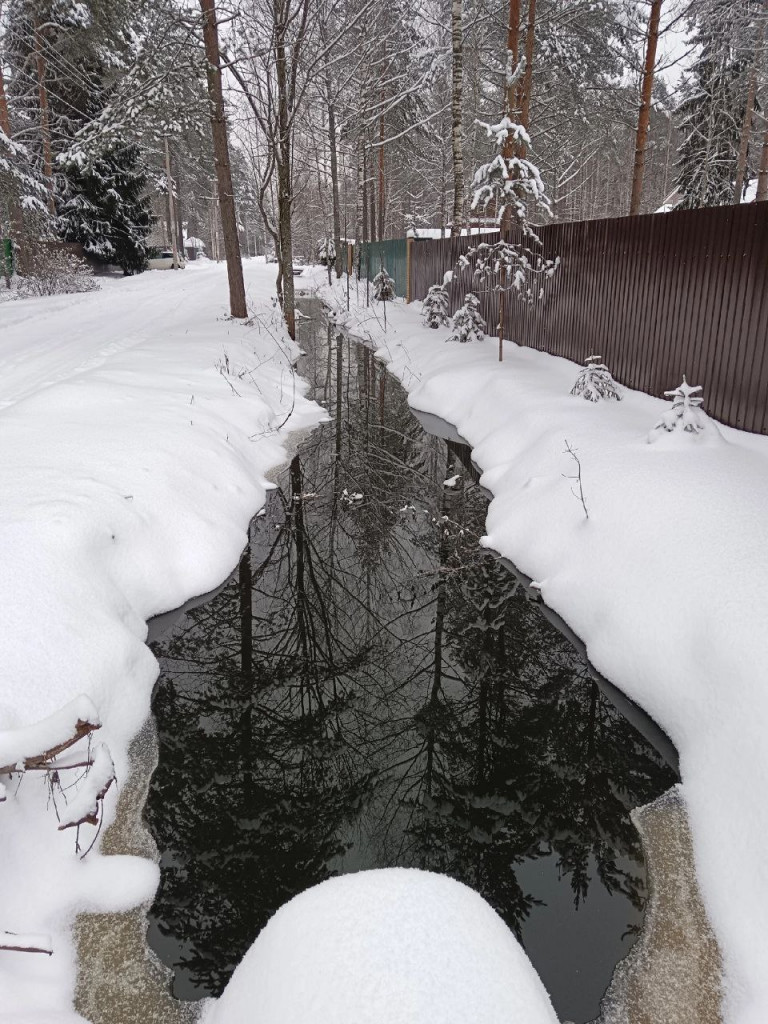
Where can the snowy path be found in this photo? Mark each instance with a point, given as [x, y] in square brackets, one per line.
[136, 426]
[666, 581]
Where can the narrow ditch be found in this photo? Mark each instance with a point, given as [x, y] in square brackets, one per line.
[371, 688]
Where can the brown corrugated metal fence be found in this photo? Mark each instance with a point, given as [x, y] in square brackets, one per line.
[656, 296]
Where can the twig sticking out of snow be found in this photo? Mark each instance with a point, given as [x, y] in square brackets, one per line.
[26, 943]
[685, 414]
[34, 745]
[576, 478]
[595, 381]
[84, 808]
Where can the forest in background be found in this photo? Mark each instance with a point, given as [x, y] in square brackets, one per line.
[352, 119]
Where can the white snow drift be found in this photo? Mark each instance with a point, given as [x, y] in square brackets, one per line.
[395, 946]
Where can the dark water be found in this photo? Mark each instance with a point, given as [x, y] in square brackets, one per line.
[371, 688]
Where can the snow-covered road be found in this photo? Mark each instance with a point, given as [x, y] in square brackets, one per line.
[136, 426]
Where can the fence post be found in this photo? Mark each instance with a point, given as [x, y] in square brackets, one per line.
[408, 265]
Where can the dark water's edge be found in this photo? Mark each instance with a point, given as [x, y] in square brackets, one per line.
[371, 688]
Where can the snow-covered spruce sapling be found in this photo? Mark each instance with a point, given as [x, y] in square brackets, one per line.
[511, 186]
[467, 324]
[686, 414]
[595, 381]
[384, 289]
[434, 309]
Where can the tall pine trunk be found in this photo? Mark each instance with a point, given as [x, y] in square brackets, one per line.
[237, 303]
[527, 83]
[457, 81]
[644, 115]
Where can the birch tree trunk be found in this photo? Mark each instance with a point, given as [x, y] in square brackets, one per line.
[746, 128]
[762, 177]
[644, 116]
[513, 39]
[334, 181]
[237, 303]
[457, 78]
[284, 196]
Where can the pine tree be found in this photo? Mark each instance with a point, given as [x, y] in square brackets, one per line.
[710, 118]
[467, 324]
[434, 309]
[106, 208]
[595, 381]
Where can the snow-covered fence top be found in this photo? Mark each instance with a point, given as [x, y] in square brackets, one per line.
[658, 296]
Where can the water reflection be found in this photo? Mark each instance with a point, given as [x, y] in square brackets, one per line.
[371, 689]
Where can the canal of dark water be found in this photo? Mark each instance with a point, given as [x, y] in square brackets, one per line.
[371, 688]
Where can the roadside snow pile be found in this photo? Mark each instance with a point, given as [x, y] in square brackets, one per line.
[394, 946]
[666, 582]
[136, 426]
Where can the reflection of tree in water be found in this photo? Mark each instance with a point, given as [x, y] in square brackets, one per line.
[372, 678]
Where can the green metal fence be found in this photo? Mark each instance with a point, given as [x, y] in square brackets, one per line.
[392, 254]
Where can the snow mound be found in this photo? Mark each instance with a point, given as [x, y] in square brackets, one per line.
[394, 946]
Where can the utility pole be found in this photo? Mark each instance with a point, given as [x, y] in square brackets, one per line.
[237, 303]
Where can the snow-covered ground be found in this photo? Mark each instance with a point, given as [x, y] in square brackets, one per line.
[136, 427]
[666, 580]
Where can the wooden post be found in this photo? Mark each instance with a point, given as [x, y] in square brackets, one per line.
[408, 269]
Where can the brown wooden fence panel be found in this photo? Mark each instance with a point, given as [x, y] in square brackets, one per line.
[655, 296]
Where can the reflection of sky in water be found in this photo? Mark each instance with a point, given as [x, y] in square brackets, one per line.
[402, 703]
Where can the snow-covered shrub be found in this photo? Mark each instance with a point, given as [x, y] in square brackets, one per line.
[383, 286]
[467, 324]
[595, 381]
[55, 270]
[686, 415]
[434, 309]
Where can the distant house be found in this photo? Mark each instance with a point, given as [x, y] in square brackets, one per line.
[194, 247]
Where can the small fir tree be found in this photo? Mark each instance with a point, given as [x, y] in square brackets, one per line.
[686, 414]
[467, 324]
[384, 290]
[434, 309]
[383, 286]
[106, 208]
[595, 381]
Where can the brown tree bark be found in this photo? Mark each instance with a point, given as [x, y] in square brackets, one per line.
[527, 82]
[457, 81]
[644, 115]
[237, 303]
[513, 42]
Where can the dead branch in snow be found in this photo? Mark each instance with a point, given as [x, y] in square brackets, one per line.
[12, 942]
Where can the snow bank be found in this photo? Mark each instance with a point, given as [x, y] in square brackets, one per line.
[136, 426]
[395, 946]
[666, 581]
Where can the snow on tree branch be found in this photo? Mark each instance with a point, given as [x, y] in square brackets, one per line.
[86, 805]
[34, 745]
